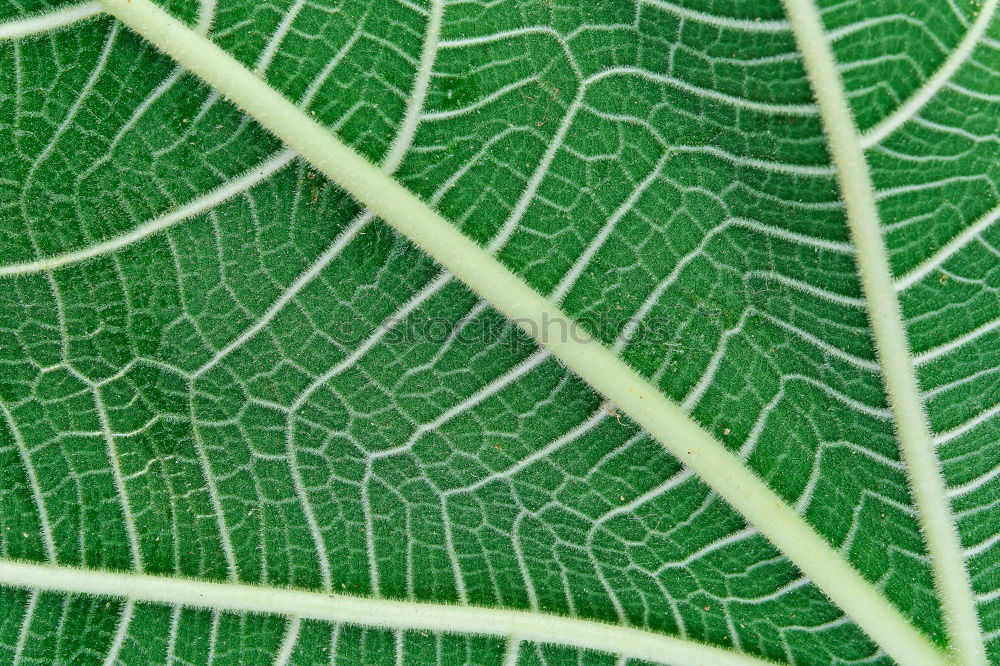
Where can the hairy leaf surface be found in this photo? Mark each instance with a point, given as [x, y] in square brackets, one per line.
[217, 366]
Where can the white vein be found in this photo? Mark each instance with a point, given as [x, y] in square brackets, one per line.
[25, 630]
[723, 22]
[495, 283]
[958, 431]
[811, 289]
[418, 93]
[277, 37]
[535, 181]
[49, 21]
[175, 620]
[435, 116]
[898, 372]
[806, 109]
[823, 345]
[194, 207]
[933, 85]
[653, 298]
[696, 392]
[36, 490]
[77, 104]
[944, 349]
[573, 274]
[206, 16]
[128, 610]
[512, 651]
[205, 466]
[940, 184]
[306, 277]
[489, 390]
[132, 532]
[284, 656]
[722, 542]
[974, 484]
[983, 546]
[382, 613]
[376, 336]
[947, 251]
[542, 453]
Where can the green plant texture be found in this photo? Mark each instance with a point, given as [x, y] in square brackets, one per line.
[500, 332]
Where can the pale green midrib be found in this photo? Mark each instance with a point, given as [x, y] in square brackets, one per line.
[662, 418]
[901, 383]
[381, 613]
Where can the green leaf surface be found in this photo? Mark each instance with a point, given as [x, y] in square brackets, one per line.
[243, 419]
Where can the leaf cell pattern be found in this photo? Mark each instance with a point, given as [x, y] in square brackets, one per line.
[217, 365]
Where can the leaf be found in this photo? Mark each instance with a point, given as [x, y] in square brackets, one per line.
[246, 419]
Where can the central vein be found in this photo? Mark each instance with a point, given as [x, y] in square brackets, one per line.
[662, 418]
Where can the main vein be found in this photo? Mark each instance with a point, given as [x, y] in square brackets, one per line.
[382, 613]
[599, 366]
[901, 384]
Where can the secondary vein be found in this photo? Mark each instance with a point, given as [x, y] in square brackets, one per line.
[49, 21]
[661, 417]
[900, 379]
[383, 613]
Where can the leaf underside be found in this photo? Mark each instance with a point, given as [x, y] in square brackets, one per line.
[214, 364]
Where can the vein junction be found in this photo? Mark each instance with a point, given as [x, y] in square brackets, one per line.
[535, 197]
[381, 613]
[508, 293]
[901, 384]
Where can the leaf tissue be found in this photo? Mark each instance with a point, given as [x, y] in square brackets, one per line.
[500, 332]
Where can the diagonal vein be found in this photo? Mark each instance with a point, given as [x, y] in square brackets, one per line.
[507, 292]
[50, 21]
[900, 379]
[948, 250]
[197, 206]
[912, 106]
[383, 613]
